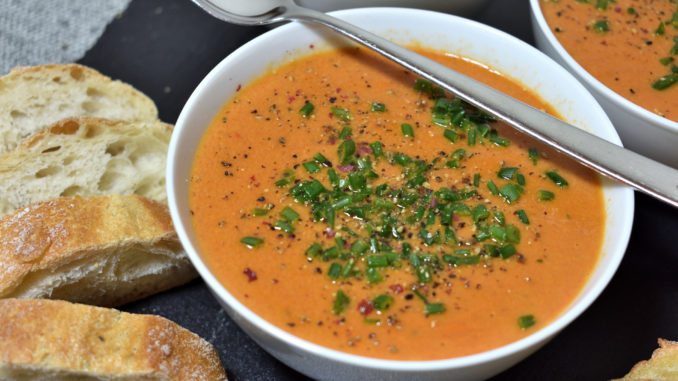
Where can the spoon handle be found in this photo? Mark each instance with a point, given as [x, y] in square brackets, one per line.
[640, 172]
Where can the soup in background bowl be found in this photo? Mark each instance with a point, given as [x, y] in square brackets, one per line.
[282, 206]
[626, 53]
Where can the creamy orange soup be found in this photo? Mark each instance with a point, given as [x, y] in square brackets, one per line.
[356, 207]
[631, 46]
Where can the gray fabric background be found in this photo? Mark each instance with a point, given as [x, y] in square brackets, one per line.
[36, 32]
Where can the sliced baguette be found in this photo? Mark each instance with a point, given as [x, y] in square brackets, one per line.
[105, 250]
[56, 340]
[32, 98]
[86, 157]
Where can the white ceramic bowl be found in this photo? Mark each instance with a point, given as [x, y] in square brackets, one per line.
[457, 7]
[441, 31]
[641, 130]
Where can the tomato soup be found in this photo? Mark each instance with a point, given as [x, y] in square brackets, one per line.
[355, 206]
[631, 46]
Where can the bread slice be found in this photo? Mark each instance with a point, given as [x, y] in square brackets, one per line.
[56, 340]
[662, 366]
[86, 157]
[32, 98]
[105, 250]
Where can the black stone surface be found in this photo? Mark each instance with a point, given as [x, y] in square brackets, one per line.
[165, 47]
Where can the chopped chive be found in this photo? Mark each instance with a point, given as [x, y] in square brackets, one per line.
[507, 251]
[407, 130]
[471, 137]
[378, 107]
[373, 275]
[311, 167]
[289, 214]
[526, 321]
[507, 173]
[666, 60]
[306, 109]
[451, 135]
[479, 213]
[346, 131]
[476, 180]
[423, 86]
[601, 4]
[321, 159]
[348, 268]
[284, 226]
[281, 183]
[522, 216]
[382, 302]
[314, 249]
[359, 247]
[556, 178]
[492, 187]
[512, 234]
[455, 260]
[334, 271]
[533, 155]
[665, 82]
[341, 113]
[345, 151]
[544, 195]
[251, 242]
[376, 149]
[520, 179]
[260, 212]
[631, 11]
[434, 308]
[377, 261]
[341, 301]
[601, 26]
[424, 274]
[510, 193]
[660, 29]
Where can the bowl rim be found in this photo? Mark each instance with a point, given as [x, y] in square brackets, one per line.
[570, 312]
[604, 91]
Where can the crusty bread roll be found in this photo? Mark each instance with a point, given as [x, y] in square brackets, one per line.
[105, 250]
[56, 340]
[32, 98]
[662, 366]
[86, 157]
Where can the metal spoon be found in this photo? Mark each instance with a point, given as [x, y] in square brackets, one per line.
[641, 173]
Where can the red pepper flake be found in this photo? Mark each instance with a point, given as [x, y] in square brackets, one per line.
[239, 87]
[299, 91]
[617, 9]
[603, 42]
[364, 149]
[252, 179]
[251, 275]
[311, 46]
[365, 307]
[345, 168]
[338, 89]
[290, 99]
[434, 202]
[396, 288]
[329, 233]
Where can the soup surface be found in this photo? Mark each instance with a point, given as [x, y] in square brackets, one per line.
[351, 204]
[631, 46]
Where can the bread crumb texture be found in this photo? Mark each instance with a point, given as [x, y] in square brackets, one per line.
[57, 340]
[32, 98]
[103, 250]
[86, 157]
[662, 366]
